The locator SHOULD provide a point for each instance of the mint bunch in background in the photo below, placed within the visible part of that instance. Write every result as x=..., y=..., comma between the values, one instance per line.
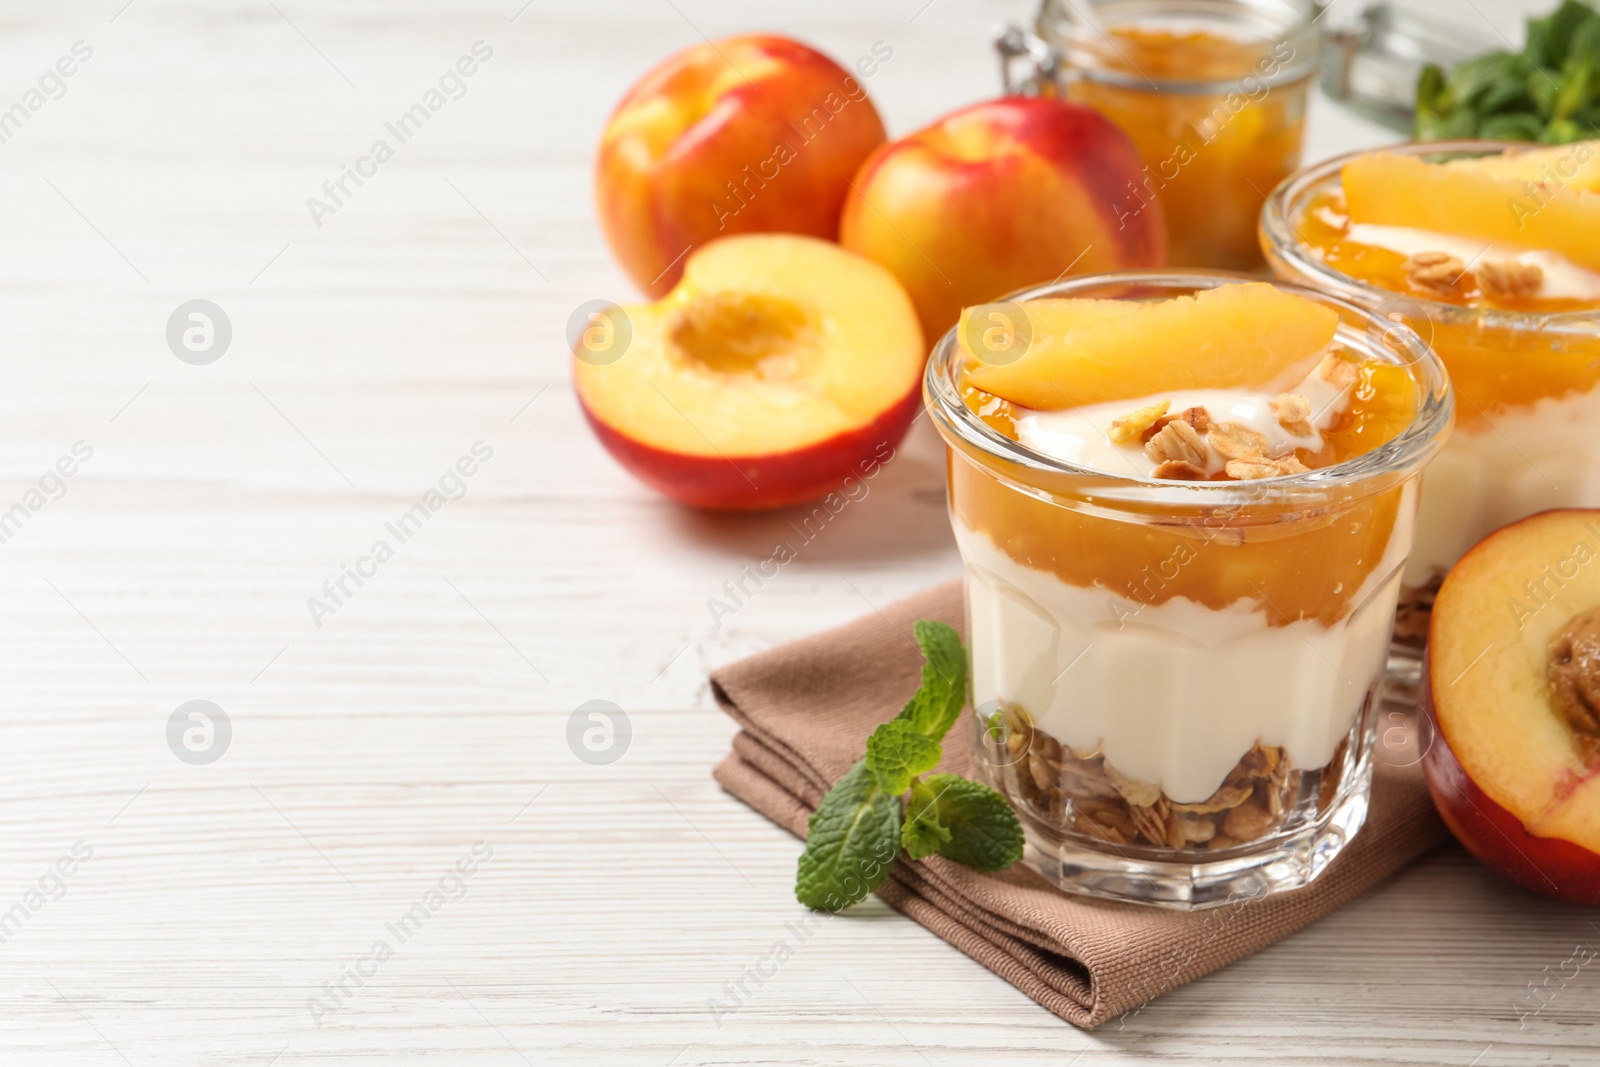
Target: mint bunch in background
x=861, y=825
x=1550, y=92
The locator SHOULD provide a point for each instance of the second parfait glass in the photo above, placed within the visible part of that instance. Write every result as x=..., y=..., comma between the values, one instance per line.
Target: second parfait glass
x=1527, y=437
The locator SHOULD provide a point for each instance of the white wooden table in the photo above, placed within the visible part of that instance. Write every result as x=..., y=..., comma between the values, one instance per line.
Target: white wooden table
x=227, y=913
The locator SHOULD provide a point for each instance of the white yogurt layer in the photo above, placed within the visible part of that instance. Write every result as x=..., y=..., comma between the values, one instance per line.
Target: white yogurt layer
x=1176, y=693
x=1563, y=279
x=1082, y=435
x=1542, y=456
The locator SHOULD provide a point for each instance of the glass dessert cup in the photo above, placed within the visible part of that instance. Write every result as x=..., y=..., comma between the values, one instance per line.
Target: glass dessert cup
x=1213, y=95
x=1174, y=681
x=1527, y=436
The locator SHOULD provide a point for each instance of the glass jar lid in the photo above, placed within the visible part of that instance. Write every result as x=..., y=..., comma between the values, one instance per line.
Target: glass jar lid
x=1373, y=54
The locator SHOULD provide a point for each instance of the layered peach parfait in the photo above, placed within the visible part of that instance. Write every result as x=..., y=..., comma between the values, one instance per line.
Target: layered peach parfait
x=1183, y=503
x=1491, y=253
x=1213, y=96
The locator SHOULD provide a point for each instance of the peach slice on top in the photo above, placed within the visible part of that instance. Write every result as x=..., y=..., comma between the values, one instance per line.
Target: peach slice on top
x=1513, y=686
x=1386, y=189
x=1575, y=166
x=1083, y=352
x=775, y=368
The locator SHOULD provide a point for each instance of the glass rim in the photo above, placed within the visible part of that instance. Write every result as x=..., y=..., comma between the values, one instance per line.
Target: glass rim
x=1401, y=456
x=1280, y=242
x=1073, y=32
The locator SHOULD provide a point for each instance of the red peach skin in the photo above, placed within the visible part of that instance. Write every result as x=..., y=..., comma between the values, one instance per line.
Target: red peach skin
x=998, y=196
x=753, y=483
x=754, y=134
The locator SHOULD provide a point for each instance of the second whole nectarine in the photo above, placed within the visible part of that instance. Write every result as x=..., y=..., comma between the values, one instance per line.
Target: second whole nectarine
x=999, y=196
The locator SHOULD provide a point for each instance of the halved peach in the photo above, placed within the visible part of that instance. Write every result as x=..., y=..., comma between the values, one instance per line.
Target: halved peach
x=1513, y=685
x=1245, y=334
x=776, y=367
x=1394, y=190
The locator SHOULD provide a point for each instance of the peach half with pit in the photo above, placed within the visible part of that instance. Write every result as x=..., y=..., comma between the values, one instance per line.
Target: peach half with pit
x=1513, y=686
x=778, y=366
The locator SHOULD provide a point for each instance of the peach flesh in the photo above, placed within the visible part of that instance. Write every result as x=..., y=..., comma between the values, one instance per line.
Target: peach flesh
x=1513, y=768
x=778, y=367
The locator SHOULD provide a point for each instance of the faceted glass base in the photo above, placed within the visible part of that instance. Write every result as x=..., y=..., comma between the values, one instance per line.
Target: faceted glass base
x=1233, y=876
x=1268, y=828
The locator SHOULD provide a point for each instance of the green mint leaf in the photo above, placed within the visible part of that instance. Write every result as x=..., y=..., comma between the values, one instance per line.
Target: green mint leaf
x=1564, y=131
x=852, y=843
x=1460, y=123
x=1434, y=102
x=938, y=703
x=896, y=751
x=1431, y=89
x=984, y=831
x=1550, y=39
x=1574, y=91
x=1518, y=127
x=1493, y=82
x=1544, y=91
x=1549, y=92
x=923, y=833
x=947, y=662
x=1585, y=45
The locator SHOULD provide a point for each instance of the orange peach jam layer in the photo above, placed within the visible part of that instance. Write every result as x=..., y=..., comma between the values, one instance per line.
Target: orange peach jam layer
x=1517, y=232
x=1210, y=159
x=1256, y=388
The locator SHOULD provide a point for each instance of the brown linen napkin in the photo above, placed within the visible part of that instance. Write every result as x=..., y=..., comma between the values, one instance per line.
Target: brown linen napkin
x=806, y=709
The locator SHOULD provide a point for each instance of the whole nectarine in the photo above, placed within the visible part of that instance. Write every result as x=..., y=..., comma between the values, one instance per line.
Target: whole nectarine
x=753, y=134
x=1513, y=686
x=998, y=196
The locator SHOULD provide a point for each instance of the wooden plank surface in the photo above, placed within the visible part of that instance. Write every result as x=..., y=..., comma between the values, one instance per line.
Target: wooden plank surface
x=212, y=912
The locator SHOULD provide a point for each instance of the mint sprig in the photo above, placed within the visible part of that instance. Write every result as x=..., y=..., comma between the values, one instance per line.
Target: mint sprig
x=1548, y=92
x=860, y=827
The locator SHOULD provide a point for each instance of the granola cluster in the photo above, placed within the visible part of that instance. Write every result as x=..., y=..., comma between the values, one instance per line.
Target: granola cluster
x=1177, y=447
x=1082, y=793
x=1510, y=280
x=1435, y=272
x=1441, y=274
x=1182, y=445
